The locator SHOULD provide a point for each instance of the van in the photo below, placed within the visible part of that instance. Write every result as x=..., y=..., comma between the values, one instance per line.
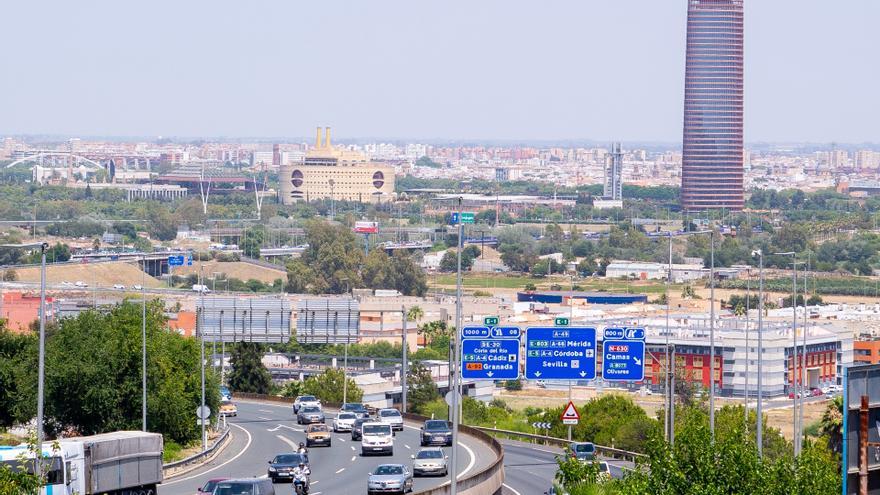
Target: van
x=377, y=438
x=247, y=486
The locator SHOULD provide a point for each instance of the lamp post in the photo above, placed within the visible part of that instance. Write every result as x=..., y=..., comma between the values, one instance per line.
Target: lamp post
x=759, y=411
x=794, y=349
x=455, y=359
x=144, y=343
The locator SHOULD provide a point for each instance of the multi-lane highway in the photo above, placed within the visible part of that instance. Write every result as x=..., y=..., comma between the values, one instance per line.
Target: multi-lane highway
x=262, y=430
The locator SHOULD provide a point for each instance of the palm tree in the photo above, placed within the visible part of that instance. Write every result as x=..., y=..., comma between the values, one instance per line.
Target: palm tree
x=415, y=314
x=831, y=424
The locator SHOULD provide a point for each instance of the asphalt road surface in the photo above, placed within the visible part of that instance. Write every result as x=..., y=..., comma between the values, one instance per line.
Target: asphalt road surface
x=263, y=430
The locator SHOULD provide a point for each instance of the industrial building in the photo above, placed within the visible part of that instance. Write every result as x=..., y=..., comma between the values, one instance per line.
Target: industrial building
x=329, y=172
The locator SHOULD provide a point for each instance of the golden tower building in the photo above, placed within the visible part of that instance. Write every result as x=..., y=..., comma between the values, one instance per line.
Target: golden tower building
x=336, y=173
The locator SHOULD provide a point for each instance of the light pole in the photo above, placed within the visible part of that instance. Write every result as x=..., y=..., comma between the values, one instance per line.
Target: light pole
x=760, y=414
x=455, y=359
x=201, y=327
x=712, y=334
x=332, y=199
x=41, y=375
x=748, y=307
x=405, y=364
x=794, y=349
x=144, y=343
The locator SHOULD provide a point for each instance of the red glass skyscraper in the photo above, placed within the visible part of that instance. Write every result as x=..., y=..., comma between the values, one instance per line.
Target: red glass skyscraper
x=712, y=160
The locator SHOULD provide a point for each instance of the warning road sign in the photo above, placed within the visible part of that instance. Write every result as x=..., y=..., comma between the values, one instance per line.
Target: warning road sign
x=570, y=416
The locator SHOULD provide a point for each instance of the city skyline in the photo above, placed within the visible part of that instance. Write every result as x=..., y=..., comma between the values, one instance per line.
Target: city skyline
x=232, y=70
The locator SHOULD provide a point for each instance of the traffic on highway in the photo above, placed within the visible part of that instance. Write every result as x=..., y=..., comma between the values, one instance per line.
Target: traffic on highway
x=273, y=447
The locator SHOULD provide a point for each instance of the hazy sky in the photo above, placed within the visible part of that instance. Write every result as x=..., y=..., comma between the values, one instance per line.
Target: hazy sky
x=471, y=69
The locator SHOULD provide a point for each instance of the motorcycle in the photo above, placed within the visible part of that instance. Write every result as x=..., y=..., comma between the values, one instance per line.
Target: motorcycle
x=301, y=484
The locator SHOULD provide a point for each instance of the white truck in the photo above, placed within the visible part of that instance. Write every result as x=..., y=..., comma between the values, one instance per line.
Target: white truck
x=118, y=463
x=377, y=438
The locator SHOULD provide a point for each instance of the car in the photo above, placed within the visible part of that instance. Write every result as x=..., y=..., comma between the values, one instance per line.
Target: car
x=390, y=478
x=377, y=438
x=208, y=487
x=80, y=283
x=225, y=394
x=357, y=408
x=309, y=414
x=228, y=408
x=582, y=451
x=281, y=466
x=436, y=432
x=392, y=417
x=137, y=287
x=344, y=421
x=604, y=472
x=201, y=288
x=318, y=435
x=430, y=461
x=245, y=486
x=356, y=428
x=66, y=283
x=815, y=392
x=305, y=400
x=118, y=286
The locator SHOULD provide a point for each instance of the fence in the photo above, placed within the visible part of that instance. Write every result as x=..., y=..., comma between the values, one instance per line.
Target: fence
x=608, y=452
x=175, y=468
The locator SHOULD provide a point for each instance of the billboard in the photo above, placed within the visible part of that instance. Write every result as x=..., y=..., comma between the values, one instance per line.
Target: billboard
x=327, y=320
x=244, y=319
x=366, y=227
x=861, y=429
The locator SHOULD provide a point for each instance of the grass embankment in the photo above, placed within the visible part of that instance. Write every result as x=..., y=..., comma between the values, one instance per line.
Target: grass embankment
x=519, y=282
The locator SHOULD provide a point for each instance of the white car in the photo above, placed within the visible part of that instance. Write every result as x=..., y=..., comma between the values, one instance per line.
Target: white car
x=344, y=421
x=138, y=287
x=377, y=438
x=80, y=283
x=391, y=417
x=305, y=400
x=118, y=286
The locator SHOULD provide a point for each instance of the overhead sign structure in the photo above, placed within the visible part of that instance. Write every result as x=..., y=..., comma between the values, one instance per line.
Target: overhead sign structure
x=570, y=415
x=490, y=359
x=176, y=260
x=554, y=353
x=366, y=227
x=623, y=354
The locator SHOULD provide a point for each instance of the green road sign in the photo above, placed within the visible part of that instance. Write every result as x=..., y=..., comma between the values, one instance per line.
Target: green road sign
x=561, y=322
x=490, y=321
x=467, y=217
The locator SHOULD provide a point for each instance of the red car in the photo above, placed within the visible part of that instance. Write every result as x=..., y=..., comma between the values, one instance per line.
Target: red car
x=208, y=487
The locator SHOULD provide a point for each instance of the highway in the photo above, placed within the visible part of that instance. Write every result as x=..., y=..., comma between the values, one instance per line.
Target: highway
x=262, y=430
x=529, y=469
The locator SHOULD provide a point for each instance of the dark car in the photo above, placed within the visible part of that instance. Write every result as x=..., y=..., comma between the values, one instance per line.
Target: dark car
x=583, y=451
x=357, y=408
x=281, y=467
x=248, y=486
x=436, y=432
x=357, y=428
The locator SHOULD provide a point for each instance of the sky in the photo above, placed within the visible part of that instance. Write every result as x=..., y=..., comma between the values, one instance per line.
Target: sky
x=444, y=69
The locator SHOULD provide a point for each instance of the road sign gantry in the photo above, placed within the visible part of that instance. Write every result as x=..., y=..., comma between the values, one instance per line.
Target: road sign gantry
x=560, y=353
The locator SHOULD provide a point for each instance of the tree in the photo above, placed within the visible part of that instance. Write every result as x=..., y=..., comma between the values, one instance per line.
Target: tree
x=415, y=313
x=300, y=277
x=292, y=389
x=831, y=424
x=248, y=373
x=422, y=389
x=89, y=395
x=335, y=257
x=17, y=377
x=328, y=386
x=252, y=241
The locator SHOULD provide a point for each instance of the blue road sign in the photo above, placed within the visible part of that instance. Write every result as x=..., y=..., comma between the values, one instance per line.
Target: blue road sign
x=175, y=260
x=635, y=334
x=560, y=353
x=623, y=360
x=490, y=359
x=474, y=332
x=189, y=259
x=454, y=219
x=614, y=333
x=505, y=332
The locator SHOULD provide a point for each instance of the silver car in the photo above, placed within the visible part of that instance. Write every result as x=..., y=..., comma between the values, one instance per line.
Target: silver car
x=309, y=414
x=390, y=478
x=430, y=461
x=344, y=421
x=391, y=417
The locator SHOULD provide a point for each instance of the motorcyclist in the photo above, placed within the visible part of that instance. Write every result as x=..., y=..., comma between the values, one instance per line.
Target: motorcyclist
x=302, y=449
x=301, y=477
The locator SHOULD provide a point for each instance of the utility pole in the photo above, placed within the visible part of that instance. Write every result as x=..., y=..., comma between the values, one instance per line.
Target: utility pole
x=760, y=413
x=41, y=367
x=712, y=334
x=144, y=343
x=670, y=392
x=748, y=305
x=200, y=315
x=405, y=364
x=455, y=360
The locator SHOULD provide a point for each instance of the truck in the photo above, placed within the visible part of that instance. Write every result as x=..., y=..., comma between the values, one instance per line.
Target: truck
x=117, y=463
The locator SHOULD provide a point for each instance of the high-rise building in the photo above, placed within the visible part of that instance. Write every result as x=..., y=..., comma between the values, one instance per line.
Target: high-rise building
x=614, y=173
x=712, y=162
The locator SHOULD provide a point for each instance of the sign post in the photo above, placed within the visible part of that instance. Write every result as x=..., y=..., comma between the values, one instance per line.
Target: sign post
x=554, y=353
x=623, y=354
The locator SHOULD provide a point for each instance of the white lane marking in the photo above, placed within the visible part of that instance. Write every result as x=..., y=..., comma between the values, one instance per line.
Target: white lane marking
x=471, y=464
x=353, y=457
x=285, y=426
x=352, y=447
x=264, y=410
x=407, y=447
x=263, y=476
x=340, y=470
x=288, y=441
x=505, y=485
x=314, y=483
x=340, y=439
x=246, y=445
x=264, y=418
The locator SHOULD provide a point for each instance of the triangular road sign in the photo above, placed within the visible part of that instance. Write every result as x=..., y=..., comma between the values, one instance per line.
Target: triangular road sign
x=570, y=416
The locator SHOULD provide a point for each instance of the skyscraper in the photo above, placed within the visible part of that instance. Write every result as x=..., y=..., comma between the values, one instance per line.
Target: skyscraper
x=613, y=174
x=712, y=161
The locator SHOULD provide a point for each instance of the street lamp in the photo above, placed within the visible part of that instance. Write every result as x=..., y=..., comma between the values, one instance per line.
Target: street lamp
x=760, y=414
x=794, y=360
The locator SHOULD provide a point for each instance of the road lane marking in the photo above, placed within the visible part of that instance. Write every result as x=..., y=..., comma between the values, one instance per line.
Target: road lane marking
x=264, y=418
x=288, y=441
x=352, y=447
x=353, y=457
x=340, y=439
x=407, y=447
x=471, y=464
x=505, y=485
x=264, y=410
x=340, y=470
x=285, y=426
x=246, y=445
x=315, y=483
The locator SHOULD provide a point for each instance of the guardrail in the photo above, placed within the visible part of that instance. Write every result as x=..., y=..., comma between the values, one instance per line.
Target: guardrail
x=195, y=458
x=486, y=481
x=609, y=452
